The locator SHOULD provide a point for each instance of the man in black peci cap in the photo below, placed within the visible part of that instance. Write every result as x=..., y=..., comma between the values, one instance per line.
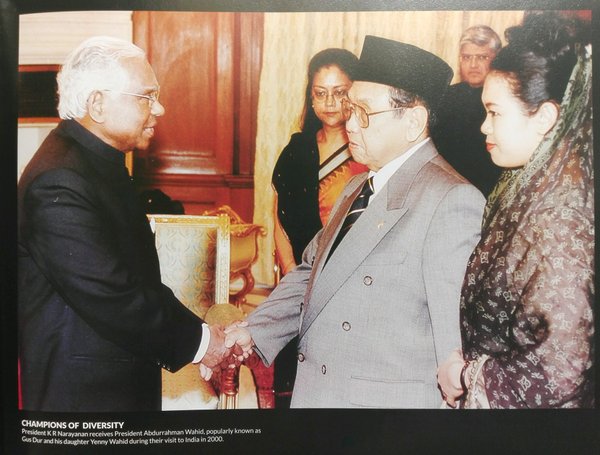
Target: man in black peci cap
x=375, y=300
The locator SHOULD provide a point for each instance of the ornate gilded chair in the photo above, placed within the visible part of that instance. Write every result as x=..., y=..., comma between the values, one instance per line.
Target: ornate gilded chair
x=193, y=253
x=244, y=251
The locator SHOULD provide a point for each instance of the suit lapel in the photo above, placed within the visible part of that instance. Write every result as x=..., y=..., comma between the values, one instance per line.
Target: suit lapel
x=383, y=212
x=332, y=228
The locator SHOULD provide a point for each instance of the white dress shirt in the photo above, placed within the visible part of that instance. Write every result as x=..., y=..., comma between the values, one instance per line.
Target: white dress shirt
x=381, y=177
x=204, y=341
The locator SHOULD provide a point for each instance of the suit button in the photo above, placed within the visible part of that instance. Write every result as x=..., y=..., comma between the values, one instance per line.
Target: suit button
x=300, y=357
x=367, y=280
x=346, y=326
x=323, y=369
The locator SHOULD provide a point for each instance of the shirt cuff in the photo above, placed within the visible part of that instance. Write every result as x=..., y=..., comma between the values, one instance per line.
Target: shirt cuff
x=204, y=342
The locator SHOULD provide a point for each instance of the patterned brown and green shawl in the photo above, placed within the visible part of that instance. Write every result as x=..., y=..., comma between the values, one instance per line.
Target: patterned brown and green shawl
x=527, y=298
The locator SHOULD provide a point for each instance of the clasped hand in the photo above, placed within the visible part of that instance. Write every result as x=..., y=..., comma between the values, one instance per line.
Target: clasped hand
x=448, y=377
x=228, y=348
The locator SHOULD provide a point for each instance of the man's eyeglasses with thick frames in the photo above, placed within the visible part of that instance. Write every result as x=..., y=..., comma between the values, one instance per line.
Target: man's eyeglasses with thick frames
x=349, y=108
x=152, y=98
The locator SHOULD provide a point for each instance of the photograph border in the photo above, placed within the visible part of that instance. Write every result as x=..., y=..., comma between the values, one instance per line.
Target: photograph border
x=281, y=431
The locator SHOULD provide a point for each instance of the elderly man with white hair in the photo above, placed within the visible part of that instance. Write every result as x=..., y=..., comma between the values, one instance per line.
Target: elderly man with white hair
x=96, y=325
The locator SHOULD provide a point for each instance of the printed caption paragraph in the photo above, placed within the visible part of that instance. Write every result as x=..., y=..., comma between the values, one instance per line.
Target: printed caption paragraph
x=114, y=433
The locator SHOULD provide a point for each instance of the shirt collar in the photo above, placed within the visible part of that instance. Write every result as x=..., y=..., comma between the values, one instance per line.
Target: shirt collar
x=381, y=177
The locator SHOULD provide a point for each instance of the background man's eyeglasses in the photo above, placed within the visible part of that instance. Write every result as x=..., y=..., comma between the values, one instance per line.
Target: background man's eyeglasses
x=478, y=58
x=349, y=108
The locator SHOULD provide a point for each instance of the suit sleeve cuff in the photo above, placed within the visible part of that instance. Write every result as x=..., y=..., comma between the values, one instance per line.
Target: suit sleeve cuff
x=204, y=342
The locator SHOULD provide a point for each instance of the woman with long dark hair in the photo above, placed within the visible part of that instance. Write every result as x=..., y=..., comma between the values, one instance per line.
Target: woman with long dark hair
x=316, y=164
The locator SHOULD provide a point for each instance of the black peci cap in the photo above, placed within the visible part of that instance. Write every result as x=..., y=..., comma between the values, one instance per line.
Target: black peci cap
x=404, y=66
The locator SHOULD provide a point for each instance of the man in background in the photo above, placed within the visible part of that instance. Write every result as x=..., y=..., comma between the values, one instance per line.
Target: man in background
x=457, y=134
x=375, y=300
x=96, y=325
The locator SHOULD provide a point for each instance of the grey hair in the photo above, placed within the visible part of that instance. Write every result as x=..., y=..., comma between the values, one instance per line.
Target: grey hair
x=403, y=98
x=481, y=35
x=94, y=65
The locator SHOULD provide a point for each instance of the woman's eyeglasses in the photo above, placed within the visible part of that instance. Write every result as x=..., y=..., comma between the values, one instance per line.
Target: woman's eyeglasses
x=323, y=95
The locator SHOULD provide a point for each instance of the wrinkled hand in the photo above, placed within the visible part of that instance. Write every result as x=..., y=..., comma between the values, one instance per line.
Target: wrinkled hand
x=227, y=348
x=239, y=340
x=216, y=353
x=448, y=376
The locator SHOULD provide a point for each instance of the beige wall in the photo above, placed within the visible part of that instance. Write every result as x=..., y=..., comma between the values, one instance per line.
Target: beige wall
x=47, y=38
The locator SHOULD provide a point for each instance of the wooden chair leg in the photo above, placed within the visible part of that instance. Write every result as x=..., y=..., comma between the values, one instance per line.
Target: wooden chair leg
x=228, y=396
x=263, y=379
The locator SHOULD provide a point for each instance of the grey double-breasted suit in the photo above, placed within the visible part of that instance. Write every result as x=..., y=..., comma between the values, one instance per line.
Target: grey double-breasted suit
x=375, y=320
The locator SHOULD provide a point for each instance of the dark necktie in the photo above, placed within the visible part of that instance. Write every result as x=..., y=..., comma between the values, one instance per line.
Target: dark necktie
x=356, y=209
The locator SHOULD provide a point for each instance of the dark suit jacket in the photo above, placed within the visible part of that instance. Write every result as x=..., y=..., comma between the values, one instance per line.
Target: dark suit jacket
x=458, y=137
x=95, y=322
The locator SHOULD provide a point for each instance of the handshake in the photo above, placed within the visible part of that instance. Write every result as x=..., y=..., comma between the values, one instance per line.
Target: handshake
x=228, y=348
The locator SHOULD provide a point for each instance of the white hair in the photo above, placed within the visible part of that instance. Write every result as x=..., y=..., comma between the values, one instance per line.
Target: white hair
x=94, y=65
x=481, y=35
